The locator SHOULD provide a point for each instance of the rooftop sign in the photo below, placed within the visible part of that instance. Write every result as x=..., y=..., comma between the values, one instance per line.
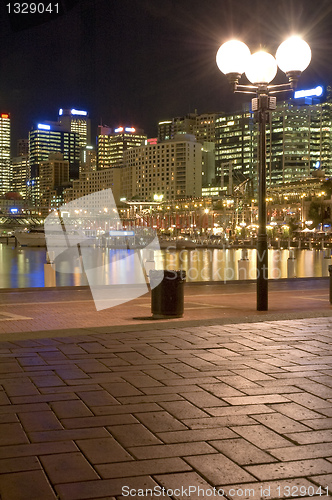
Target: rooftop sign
x=317, y=92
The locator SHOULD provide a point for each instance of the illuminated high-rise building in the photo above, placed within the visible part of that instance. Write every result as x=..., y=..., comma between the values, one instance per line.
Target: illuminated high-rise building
x=51, y=137
x=112, y=143
x=5, y=165
x=22, y=147
x=21, y=175
x=171, y=169
x=78, y=121
x=53, y=175
x=201, y=126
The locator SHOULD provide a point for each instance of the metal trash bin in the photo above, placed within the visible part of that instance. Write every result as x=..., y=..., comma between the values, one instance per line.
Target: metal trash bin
x=167, y=297
x=330, y=271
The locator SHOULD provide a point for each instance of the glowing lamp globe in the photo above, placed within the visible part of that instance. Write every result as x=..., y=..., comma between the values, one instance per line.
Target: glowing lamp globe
x=262, y=68
x=293, y=55
x=232, y=57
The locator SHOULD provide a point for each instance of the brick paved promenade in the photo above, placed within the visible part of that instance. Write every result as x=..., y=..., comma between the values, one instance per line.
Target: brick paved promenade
x=101, y=412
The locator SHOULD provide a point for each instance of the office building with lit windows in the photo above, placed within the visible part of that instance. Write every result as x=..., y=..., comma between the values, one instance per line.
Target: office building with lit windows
x=5, y=164
x=202, y=126
x=171, y=169
x=51, y=137
x=77, y=121
x=112, y=143
x=53, y=175
x=236, y=143
x=21, y=175
x=298, y=142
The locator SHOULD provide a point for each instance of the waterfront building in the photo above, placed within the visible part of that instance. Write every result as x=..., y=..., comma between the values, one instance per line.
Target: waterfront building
x=21, y=175
x=88, y=159
x=171, y=169
x=78, y=122
x=298, y=142
x=53, y=177
x=112, y=143
x=201, y=126
x=235, y=148
x=51, y=137
x=92, y=181
x=5, y=165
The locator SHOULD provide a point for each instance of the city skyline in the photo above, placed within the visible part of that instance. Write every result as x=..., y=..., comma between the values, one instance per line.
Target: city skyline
x=139, y=62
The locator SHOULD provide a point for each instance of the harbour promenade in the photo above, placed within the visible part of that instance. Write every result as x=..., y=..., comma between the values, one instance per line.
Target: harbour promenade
x=225, y=402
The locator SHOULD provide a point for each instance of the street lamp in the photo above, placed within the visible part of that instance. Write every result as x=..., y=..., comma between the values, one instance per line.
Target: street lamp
x=233, y=59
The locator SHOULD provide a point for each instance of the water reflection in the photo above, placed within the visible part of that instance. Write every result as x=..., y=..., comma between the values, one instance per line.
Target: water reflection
x=24, y=267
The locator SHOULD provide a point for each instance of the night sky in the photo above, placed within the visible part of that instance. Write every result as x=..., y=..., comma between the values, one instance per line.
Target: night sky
x=136, y=62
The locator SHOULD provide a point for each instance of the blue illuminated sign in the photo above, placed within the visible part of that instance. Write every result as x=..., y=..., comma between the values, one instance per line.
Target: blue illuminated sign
x=78, y=112
x=43, y=126
x=317, y=92
x=60, y=111
x=14, y=210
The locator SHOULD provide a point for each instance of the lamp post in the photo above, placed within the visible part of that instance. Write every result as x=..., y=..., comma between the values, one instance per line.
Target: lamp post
x=233, y=59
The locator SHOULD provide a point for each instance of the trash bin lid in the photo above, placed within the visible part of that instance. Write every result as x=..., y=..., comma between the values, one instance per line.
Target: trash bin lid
x=168, y=274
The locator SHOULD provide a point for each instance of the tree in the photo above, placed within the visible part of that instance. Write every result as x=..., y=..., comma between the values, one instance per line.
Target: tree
x=315, y=213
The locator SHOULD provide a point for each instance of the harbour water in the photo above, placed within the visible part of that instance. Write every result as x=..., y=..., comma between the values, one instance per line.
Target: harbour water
x=23, y=267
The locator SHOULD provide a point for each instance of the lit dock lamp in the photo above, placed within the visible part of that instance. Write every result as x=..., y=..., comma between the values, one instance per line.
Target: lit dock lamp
x=233, y=59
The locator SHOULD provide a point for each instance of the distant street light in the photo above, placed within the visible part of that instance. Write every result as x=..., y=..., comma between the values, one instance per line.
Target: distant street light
x=233, y=59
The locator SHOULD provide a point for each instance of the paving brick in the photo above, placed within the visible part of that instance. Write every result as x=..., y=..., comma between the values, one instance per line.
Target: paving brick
x=10, y=367
x=32, y=483
x=160, y=421
x=281, y=423
x=70, y=409
x=319, y=423
x=226, y=421
x=240, y=410
x=124, y=408
x=70, y=434
x=98, y=421
x=282, y=488
x=121, y=389
x=171, y=450
x=183, y=409
x=103, y=450
x=295, y=411
x=26, y=450
x=317, y=450
x=261, y=436
x=324, y=480
x=39, y=421
x=47, y=381
x=295, y=468
x=309, y=437
x=67, y=468
x=181, y=482
x=309, y=401
x=12, y=433
x=252, y=400
x=133, y=435
x=242, y=452
x=196, y=435
x=203, y=399
x=97, y=398
x=15, y=387
x=19, y=464
x=218, y=469
x=108, y=487
x=142, y=468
